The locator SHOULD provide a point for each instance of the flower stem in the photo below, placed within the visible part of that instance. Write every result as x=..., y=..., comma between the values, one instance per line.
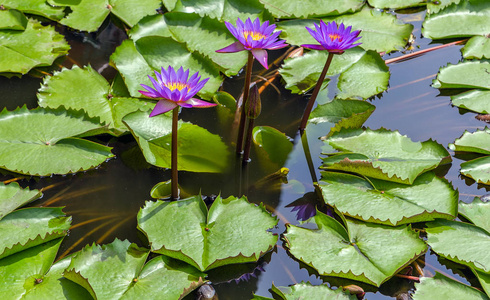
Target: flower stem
x=246, y=89
x=175, y=173
x=319, y=83
x=248, y=141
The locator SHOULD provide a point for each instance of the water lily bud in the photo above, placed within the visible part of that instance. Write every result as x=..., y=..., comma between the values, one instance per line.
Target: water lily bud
x=253, y=106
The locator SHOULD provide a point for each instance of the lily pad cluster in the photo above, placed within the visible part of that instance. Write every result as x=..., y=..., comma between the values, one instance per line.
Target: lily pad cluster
x=26, y=44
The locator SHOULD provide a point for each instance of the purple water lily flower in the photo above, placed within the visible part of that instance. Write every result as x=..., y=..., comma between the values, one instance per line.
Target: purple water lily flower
x=175, y=88
x=254, y=37
x=333, y=38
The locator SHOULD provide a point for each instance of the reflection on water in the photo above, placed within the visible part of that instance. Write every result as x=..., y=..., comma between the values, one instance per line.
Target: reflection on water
x=104, y=202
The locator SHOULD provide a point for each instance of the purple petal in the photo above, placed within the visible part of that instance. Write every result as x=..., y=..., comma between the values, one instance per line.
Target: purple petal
x=231, y=28
x=199, y=103
x=248, y=24
x=261, y=56
x=313, y=46
x=235, y=47
x=162, y=107
x=256, y=25
x=149, y=94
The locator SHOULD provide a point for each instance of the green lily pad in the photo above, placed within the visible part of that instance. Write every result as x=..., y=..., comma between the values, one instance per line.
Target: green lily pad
x=53, y=285
x=383, y=154
x=198, y=149
x=232, y=231
x=468, y=74
x=484, y=279
x=478, y=169
x=477, y=212
x=380, y=31
x=307, y=291
x=476, y=142
x=35, y=7
x=88, y=15
x=88, y=90
x=396, y=4
x=390, y=203
x=107, y=271
x=223, y=10
x=441, y=287
x=165, y=278
x=30, y=227
x=12, y=196
x=36, y=46
x=42, y=142
x=477, y=47
x=136, y=61
x=365, y=252
x=436, y=6
x=459, y=242
x=272, y=144
x=200, y=34
x=206, y=35
x=343, y=113
x=25, y=275
x=362, y=74
x=471, y=17
x=12, y=19
x=307, y=9
x=475, y=100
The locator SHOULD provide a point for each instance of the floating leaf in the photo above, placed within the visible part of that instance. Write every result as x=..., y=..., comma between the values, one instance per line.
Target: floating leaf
x=383, y=154
x=362, y=74
x=203, y=35
x=477, y=212
x=30, y=227
x=484, y=279
x=390, y=203
x=436, y=6
x=35, y=7
x=13, y=196
x=308, y=9
x=459, y=242
x=89, y=15
x=468, y=74
x=199, y=150
x=343, y=113
x=365, y=252
x=272, y=144
x=165, y=278
x=475, y=100
x=107, y=271
x=233, y=231
x=380, y=31
x=307, y=291
x=41, y=142
x=20, y=271
x=476, y=142
x=471, y=17
x=477, y=47
x=396, y=4
x=88, y=90
x=223, y=10
x=12, y=19
x=36, y=46
x=136, y=61
x=53, y=285
x=441, y=287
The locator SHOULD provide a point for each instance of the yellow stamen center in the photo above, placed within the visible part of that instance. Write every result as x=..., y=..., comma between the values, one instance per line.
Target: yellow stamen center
x=256, y=36
x=335, y=36
x=176, y=85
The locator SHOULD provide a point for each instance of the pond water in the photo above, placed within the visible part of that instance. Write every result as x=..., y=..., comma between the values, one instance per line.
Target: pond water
x=104, y=202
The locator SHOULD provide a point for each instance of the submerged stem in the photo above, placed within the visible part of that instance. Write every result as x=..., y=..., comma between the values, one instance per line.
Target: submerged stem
x=248, y=141
x=319, y=83
x=246, y=89
x=175, y=173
